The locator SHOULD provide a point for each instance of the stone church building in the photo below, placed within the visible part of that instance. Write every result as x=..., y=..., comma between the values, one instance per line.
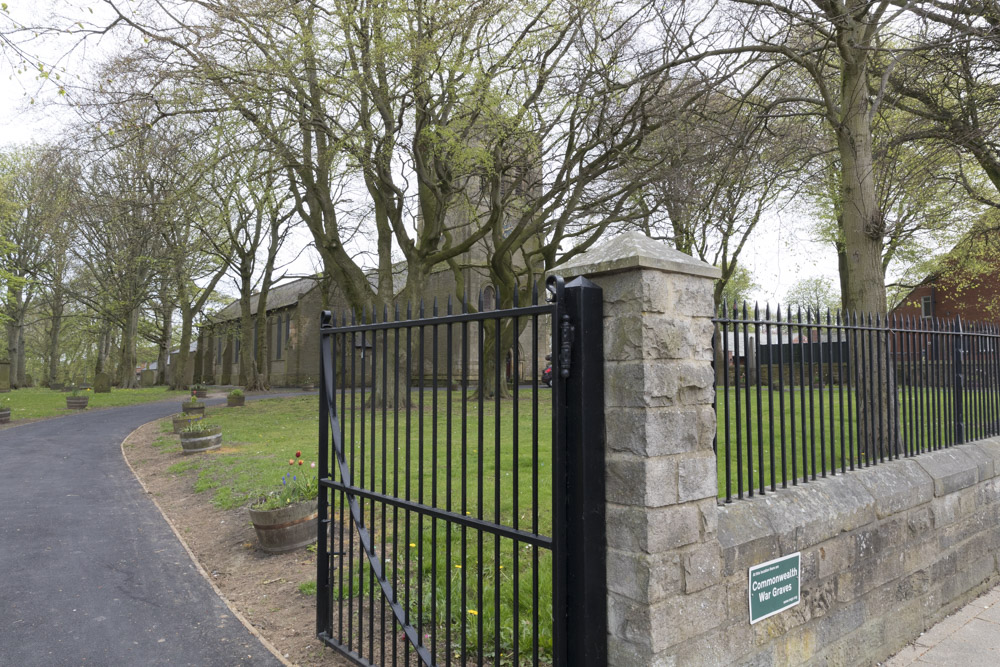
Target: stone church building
x=293, y=321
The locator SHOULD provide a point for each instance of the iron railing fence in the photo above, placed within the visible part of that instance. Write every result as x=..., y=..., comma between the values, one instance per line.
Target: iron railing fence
x=438, y=456
x=805, y=395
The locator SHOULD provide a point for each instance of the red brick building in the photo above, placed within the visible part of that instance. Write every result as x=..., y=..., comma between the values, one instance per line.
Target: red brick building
x=967, y=287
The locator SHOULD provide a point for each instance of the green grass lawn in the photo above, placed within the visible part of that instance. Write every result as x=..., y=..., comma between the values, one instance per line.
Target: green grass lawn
x=432, y=560
x=821, y=431
x=38, y=403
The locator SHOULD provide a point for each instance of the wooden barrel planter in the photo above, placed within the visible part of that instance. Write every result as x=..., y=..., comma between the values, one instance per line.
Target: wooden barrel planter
x=201, y=441
x=285, y=528
x=76, y=402
x=201, y=393
x=196, y=409
x=4, y=415
x=235, y=401
x=183, y=421
x=308, y=387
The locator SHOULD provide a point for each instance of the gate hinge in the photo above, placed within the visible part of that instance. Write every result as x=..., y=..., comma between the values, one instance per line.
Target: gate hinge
x=565, y=345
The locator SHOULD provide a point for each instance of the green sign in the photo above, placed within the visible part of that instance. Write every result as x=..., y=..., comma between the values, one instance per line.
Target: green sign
x=773, y=586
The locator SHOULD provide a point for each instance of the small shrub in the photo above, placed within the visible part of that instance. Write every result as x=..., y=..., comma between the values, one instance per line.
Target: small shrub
x=308, y=588
x=236, y=393
x=196, y=427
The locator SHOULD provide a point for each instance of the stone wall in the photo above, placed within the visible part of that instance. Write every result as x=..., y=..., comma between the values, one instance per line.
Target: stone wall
x=886, y=551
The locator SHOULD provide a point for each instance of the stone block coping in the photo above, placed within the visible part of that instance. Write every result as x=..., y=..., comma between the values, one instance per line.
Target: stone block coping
x=635, y=250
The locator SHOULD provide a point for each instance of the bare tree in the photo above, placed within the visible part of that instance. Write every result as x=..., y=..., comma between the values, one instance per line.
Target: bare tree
x=719, y=165
x=424, y=132
x=133, y=187
x=38, y=190
x=251, y=197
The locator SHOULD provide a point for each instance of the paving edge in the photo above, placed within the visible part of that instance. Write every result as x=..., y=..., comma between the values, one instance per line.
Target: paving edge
x=242, y=619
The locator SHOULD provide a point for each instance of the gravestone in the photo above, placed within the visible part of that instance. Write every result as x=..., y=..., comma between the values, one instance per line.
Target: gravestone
x=4, y=376
x=102, y=383
x=147, y=378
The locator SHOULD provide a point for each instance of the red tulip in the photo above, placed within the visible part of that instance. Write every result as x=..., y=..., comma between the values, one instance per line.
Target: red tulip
x=300, y=461
x=298, y=454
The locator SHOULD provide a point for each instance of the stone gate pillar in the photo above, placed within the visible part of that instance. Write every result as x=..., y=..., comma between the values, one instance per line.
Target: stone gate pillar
x=661, y=468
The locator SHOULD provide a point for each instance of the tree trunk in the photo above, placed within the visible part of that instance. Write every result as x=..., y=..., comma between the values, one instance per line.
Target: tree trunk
x=505, y=283
x=126, y=367
x=109, y=345
x=495, y=351
x=390, y=383
x=12, y=352
x=22, y=373
x=842, y=272
x=54, y=331
x=179, y=379
x=863, y=239
x=392, y=390
x=163, y=354
x=248, y=363
x=15, y=336
x=101, y=355
x=188, y=311
x=260, y=380
x=863, y=222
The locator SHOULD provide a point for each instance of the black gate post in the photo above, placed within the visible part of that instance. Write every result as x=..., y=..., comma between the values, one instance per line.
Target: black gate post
x=584, y=558
x=323, y=597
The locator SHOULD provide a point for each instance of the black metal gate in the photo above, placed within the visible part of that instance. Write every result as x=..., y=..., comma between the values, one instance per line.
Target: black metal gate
x=461, y=500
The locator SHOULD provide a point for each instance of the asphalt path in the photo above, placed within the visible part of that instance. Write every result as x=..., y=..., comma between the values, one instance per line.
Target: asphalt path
x=90, y=573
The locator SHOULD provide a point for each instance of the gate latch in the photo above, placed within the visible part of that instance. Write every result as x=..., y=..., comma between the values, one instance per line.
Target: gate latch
x=565, y=345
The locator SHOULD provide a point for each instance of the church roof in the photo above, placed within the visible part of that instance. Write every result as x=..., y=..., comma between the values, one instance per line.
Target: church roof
x=277, y=297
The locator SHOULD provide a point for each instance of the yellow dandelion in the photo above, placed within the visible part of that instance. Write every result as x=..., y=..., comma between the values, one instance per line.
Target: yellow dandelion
x=474, y=612
x=458, y=567
x=413, y=544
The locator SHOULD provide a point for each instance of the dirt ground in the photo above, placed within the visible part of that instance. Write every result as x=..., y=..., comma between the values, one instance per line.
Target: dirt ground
x=262, y=587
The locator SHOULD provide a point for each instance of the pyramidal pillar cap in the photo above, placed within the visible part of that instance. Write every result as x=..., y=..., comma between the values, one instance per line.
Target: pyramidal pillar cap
x=635, y=250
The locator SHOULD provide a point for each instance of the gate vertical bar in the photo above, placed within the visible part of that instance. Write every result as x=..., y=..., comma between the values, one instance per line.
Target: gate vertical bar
x=586, y=585
x=959, y=347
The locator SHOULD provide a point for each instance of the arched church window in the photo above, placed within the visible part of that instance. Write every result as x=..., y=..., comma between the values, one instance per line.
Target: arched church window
x=489, y=298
